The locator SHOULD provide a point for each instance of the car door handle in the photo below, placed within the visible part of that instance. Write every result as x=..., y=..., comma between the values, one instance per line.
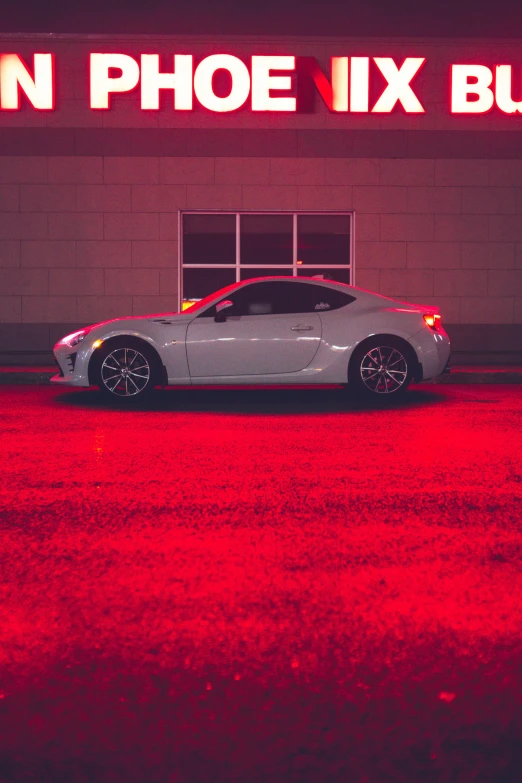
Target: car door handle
x=302, y=328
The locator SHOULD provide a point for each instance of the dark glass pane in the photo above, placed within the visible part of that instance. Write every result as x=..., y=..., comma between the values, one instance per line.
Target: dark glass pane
x=323, y=239
x=198, y=283
x=339, y=275
x=209, y=239
x=285, y=297
x=266, y=239
x=263, y=298
x=246, y=274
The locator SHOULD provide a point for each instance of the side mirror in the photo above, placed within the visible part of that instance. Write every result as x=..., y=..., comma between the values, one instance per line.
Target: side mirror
x=221, y=308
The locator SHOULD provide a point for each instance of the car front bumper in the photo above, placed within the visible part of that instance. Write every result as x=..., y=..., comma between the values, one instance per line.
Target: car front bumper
x=73, y=364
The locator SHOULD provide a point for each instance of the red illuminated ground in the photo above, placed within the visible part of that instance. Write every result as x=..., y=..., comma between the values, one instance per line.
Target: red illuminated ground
x=261, y=586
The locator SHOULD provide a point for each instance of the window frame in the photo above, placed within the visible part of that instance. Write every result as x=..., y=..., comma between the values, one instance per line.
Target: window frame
x=292, y=269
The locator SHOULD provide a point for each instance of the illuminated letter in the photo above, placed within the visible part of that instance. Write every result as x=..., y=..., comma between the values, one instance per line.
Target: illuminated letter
x=14, y=77
x=203, y=82
x=359, y=83
x=339, y=83
x=503, y=81
x=152, y=81
x=102, y=85
x=335, y=95
x=461, y=88
x=263, y=82
x=398, y=87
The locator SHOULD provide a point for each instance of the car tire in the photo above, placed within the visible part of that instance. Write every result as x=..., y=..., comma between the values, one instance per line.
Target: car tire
x=126, y=370
x=381, y=368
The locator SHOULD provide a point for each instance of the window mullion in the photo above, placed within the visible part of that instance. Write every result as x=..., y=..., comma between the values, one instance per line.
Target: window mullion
x=294, y=249
x=180, y=261
x=352, y=248
x=238, y=247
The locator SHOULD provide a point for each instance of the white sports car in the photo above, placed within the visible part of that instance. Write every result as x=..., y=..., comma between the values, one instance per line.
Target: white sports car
x=267, y=330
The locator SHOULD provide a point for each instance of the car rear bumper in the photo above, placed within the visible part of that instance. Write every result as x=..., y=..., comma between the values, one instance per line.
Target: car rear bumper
x=433, y=351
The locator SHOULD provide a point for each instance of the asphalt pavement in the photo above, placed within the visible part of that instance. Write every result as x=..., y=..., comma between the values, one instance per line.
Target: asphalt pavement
x=261, y=586
x=461, y=373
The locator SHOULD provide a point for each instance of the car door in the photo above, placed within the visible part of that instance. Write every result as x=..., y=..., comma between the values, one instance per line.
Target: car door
x=270, y=329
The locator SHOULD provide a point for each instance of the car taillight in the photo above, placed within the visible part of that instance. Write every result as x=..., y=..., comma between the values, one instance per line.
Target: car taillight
x=433, y=320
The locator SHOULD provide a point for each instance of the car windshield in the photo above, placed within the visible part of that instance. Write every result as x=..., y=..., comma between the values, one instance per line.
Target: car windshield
x=210, y=298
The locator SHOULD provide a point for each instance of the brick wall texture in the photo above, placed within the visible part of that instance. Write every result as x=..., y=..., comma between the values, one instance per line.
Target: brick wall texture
x=87, y=235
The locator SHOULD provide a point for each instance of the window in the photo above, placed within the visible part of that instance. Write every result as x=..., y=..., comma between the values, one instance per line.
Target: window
x=209, y=239
x=266, y=239
x=323, y=240
x=198, y=283
x=219, y=248
x=285, y=297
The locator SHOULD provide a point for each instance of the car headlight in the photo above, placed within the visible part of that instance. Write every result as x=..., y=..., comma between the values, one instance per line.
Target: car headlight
x=76, y=337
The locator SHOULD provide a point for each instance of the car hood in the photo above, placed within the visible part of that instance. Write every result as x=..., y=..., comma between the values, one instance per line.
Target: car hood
x=176, y=317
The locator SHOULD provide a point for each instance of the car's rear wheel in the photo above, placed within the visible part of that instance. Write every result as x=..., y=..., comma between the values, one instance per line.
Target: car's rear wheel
x=126, y=370
x=382, y=367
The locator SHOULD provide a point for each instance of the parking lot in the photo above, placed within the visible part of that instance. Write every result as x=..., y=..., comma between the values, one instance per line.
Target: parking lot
x=231, y=586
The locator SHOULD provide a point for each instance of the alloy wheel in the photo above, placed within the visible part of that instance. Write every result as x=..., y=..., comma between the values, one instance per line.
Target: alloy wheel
x=125, y=372
x=384, y=370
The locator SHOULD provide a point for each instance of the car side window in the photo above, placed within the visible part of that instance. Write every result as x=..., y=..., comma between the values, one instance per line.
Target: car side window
x=326, y=299
x=255, y=299
x=286, y=297
x=282, y=298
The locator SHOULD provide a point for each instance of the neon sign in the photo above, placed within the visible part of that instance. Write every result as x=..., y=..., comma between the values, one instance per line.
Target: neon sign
x=268, y=77
x=266, y=83
x=472, y=91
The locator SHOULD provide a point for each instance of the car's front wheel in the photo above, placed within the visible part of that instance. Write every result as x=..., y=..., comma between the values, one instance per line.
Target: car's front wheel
x=125, y=370
x=381, y=368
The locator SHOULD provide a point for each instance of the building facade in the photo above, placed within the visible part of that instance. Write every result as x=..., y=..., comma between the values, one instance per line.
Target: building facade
x=138, y=173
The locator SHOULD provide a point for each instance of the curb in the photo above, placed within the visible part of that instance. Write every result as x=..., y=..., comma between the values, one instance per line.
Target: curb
x=39, y=376
x=14, y=376
x=476, y=376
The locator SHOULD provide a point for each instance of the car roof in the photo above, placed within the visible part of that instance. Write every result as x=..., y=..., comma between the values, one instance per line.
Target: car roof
x=351, y=290
x=315, y=280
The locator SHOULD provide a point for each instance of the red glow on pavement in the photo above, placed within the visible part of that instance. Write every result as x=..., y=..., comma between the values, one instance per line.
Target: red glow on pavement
x=260, y=585
x=447, y=697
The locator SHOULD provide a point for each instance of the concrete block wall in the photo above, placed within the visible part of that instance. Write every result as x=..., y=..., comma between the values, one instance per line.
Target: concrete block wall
x=95, y=238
